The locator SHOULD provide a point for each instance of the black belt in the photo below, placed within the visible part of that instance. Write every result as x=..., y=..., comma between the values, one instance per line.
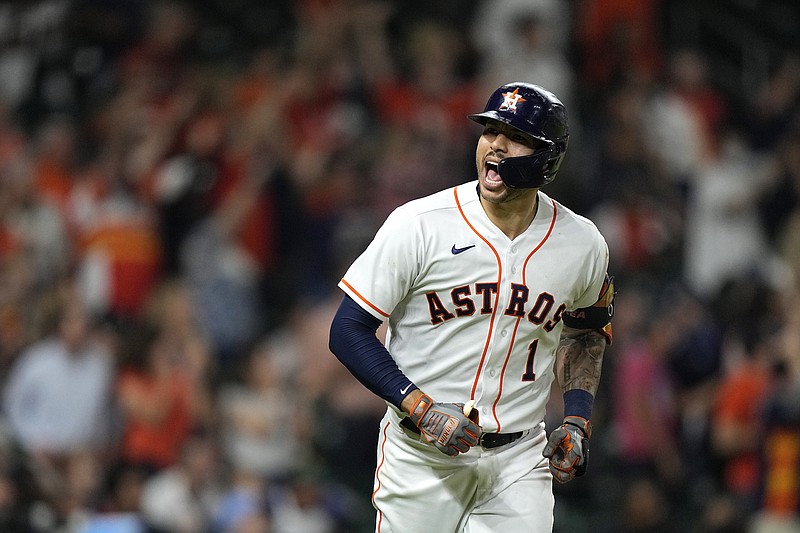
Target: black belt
x=487, y=440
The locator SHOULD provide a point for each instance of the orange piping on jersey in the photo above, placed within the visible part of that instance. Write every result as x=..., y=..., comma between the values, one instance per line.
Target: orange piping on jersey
x=516, y=326
x=503, y=373
x=375, y=307
x=378, y=479
x=496, y=297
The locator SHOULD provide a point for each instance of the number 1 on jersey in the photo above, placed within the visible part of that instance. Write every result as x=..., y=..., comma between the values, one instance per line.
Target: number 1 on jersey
x=529, y=374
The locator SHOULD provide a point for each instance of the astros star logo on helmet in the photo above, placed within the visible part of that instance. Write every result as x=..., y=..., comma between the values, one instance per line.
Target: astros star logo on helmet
x=510, y=101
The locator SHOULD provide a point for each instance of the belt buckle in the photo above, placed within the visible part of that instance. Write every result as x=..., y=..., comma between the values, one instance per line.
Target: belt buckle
x=481, y=440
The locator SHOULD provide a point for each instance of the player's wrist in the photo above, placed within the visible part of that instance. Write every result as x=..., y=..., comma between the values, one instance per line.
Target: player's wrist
x=412, y=403
x=578, y=402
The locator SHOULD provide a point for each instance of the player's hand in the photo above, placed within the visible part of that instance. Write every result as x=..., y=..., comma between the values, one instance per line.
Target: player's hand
x=445, y=425
x=568, y=448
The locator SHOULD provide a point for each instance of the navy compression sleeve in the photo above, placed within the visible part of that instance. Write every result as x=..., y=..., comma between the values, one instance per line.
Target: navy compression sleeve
x=353, y=342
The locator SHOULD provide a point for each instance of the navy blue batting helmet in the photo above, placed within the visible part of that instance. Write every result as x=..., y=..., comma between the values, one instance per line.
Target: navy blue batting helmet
x=538, y=113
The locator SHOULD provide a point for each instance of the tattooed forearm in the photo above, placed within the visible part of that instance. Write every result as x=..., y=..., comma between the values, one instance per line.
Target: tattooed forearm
x=579, y=360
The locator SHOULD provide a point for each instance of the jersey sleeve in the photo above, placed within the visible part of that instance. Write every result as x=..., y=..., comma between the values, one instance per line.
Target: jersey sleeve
x=384, y=273
x=596, y=270
x=594, y=309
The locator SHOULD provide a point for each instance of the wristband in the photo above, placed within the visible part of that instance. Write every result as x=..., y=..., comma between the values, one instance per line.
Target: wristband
x=578, y=402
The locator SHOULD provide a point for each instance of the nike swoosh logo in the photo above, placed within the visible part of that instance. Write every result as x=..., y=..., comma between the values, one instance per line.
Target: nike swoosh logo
x=456, y=251
x=405, y=390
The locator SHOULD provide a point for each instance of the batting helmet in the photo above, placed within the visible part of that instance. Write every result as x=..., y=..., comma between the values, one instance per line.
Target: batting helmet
x=537, y=112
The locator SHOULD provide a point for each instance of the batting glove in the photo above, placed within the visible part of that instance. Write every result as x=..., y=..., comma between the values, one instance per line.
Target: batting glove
x=568, y=448
x=444, y=425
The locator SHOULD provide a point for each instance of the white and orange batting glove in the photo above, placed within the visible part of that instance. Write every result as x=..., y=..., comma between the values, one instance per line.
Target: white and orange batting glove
x=568, y=448
x=445, y=425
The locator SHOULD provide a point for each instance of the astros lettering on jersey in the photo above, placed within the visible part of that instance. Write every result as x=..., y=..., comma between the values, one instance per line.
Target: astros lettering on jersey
x=438, y=267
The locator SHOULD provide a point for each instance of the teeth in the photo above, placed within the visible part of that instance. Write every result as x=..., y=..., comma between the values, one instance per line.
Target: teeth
x=492, y=172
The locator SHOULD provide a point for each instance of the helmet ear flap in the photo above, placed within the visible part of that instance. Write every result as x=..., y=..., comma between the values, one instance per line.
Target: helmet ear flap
x=530, y=171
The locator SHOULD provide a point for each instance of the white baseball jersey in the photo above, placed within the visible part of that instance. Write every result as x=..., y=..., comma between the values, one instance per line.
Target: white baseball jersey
x=473, y=314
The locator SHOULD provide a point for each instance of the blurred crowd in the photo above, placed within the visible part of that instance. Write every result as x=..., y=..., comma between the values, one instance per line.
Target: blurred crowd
x=183, y=183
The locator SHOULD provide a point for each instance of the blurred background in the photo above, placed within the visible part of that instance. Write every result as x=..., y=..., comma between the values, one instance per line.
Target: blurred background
x=182, y=184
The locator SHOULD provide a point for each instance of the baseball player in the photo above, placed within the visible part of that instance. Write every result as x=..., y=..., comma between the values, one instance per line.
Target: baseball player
x=491, y=290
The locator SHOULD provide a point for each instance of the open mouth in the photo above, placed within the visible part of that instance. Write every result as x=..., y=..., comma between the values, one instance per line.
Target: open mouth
x=492, y=174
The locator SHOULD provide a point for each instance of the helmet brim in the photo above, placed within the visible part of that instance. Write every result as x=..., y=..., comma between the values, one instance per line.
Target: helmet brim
x=510, y=119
